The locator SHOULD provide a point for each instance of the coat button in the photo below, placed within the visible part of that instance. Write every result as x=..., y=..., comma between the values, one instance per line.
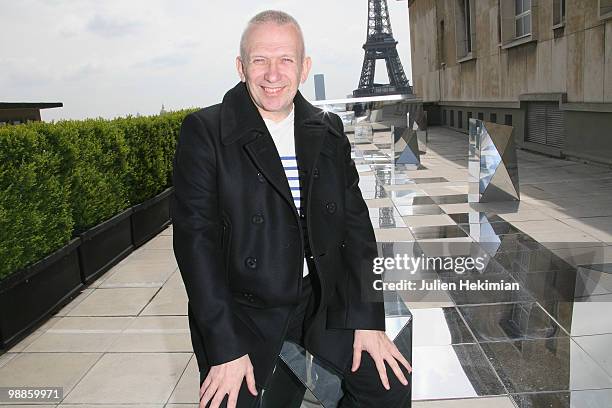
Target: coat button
x=315, y=173
x=260, y=177
x=257, y=219
x=330, y=207
x=251, y=262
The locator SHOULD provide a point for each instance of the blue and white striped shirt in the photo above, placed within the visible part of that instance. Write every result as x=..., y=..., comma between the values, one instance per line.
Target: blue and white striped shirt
x=283, y=135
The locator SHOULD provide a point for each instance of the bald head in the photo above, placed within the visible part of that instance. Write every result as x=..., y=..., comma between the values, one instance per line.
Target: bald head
x=269, y=16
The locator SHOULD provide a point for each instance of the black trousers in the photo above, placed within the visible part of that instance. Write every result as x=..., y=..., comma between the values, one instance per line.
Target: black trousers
x=362, y=389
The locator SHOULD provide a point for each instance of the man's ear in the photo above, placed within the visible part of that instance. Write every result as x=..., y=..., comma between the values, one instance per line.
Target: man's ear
x=306, y=65
x=240, y=69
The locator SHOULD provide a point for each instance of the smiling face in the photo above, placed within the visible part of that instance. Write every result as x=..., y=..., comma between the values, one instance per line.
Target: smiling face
x=273, y=68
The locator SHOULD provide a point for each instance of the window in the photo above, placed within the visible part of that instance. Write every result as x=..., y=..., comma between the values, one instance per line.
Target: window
x=558, y=13
x=480, y=116
x=522, y=17
x=444, y=116
x=464, y=22
x=452, y=118
x=605, y=9
x=508, y=120
x=499, y=22
x=441, y=44
x=516, y=21
x=460, y=119
x=493, y=117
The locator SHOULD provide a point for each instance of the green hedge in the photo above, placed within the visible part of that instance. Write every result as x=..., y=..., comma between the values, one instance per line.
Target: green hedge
x=95, y=166
x=59, y=179
x=35, y=217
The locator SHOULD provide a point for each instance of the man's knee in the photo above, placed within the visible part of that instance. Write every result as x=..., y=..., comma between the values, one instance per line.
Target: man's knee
x=363, y=388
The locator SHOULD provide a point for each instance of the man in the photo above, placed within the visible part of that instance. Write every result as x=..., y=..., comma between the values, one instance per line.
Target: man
x=270, y=250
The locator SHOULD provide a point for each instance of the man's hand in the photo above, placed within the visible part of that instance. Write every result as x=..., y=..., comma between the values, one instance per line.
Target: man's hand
x=227, y=378
x=378, y=345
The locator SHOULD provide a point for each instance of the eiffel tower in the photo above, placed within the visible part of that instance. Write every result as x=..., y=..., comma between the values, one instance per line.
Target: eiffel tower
x=380, y=44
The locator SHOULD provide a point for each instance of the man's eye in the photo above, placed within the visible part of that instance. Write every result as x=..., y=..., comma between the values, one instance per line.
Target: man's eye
x=287, y=60
x=258, y=60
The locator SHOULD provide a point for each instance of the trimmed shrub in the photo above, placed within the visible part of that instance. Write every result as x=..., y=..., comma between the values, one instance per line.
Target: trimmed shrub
x=35, y=216
x=94, y=165
x=60, y=179
x=151, y=142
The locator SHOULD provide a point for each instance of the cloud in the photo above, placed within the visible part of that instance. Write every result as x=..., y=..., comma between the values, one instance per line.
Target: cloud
x=25, y=73
x=84, y=71
x=112, y=27
x=164, y=61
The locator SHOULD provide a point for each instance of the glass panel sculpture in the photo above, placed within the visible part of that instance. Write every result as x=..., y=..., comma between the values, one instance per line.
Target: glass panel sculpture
x=405, y=146
x=492, y=166
x=364, y=133
x=322, y=382
x=417, y=121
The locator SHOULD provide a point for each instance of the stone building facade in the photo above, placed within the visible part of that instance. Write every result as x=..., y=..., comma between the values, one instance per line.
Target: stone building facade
x=542, y=66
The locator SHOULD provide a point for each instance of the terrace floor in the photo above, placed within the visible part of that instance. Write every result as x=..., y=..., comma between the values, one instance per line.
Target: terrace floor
x=125, y=339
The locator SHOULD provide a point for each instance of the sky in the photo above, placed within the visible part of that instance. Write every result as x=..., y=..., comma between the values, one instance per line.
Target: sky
x=117, y=57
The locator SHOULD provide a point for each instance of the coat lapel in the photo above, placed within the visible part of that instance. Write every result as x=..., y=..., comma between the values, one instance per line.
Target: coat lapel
x=240, y=118
x=263, y=152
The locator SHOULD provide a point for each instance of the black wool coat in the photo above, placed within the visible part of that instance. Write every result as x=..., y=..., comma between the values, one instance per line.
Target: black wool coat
x=238, y=238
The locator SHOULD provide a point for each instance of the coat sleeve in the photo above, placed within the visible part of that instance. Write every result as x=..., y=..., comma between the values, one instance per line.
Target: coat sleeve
x=365, y=305
x=197, y=232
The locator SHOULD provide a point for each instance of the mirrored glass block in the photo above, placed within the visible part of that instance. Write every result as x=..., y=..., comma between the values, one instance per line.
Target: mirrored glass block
x=348, y=118
x=492, y=165
x=417, y=121
x=322, y=381
x=364, y=133
x=376, y=115
x=405, y=146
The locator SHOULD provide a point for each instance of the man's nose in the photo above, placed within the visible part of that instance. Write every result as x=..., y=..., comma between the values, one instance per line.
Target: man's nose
x=272, y=73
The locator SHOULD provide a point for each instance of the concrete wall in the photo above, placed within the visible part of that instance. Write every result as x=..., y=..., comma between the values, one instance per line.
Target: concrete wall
x=574, y=60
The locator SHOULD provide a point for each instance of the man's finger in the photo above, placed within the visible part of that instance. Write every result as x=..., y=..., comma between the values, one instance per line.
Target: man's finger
x=232, y=399
x=219, y=395
x=396, y=369
x=205, y=386
x=382, y=371
x=400, y=357
x=250, y=380
x=356, y=358
x=210, y=392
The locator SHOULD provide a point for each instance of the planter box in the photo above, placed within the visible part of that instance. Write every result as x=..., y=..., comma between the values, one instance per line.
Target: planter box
x=151, y=217
x=29, y=296
x=105, y=245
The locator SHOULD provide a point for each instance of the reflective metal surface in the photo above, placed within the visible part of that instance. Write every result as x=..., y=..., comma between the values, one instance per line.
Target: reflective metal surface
x=417, y=121
x=406, y=146
x=321, y=380
x=545, y=343
x=363, y=133
x=493, y=168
